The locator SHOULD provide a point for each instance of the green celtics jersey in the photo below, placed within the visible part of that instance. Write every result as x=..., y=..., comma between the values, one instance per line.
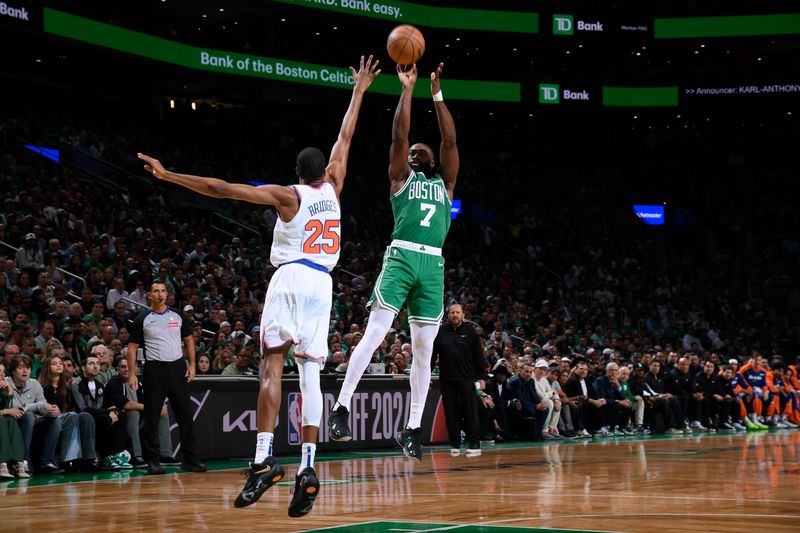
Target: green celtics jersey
x=421, y=210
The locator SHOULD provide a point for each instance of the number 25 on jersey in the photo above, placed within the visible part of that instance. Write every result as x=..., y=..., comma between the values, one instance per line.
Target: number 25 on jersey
x=323, y=238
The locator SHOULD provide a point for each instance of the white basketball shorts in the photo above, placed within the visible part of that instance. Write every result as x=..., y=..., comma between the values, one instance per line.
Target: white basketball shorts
x=298, y=307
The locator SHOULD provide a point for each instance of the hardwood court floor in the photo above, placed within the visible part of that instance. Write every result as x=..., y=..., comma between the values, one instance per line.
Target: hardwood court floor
x=692, y=483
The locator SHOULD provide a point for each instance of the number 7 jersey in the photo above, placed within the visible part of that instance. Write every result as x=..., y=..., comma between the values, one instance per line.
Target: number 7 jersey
x=421, y=210
x=314, y=234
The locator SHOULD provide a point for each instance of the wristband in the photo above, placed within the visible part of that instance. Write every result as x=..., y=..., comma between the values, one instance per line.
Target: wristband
x=438, y=97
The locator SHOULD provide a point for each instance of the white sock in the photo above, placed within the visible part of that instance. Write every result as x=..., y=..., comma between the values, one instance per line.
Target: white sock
x=380, y=320
x=307, y=460
x=422, y=337
x=263, y=446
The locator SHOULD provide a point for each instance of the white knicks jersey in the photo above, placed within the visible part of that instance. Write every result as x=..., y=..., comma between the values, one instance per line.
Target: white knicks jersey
x=314, y=234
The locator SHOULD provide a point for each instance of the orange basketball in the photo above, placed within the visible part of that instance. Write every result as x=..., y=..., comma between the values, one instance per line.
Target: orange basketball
x=405, y=44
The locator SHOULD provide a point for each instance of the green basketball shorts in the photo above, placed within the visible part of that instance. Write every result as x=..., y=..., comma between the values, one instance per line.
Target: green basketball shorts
x=413, y=275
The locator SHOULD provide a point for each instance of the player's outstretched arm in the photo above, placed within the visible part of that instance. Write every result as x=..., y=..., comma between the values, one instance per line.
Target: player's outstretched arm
x=398, y=153
x=276, y=195
x=337, y=164
x=448, y=151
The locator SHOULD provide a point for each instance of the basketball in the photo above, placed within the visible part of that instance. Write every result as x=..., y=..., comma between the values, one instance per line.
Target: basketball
x=405, y=44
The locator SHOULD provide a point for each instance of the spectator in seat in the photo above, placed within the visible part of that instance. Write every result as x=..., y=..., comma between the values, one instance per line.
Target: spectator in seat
x=617, y=408
x=117, y=294
x=634, y=417
x=104, y=358
x=29, y=255
x=529, y=407
x=550, y=398
x=704, y=386
x=73, y=345
x=726, y=405
x=679, y=384
x=635, y=384
x=222, y=360
x=29, y=397
x=203, y=365
x=584, y=398
x=77, y=429
x=241, y=367
x=120, y=315
x=46, y=331
x=110, y=435
x=12, y=445
x=662, y=403
x=565, y=426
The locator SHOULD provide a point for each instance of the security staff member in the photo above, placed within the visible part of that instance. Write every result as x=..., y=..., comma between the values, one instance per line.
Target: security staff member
x=166, y=374
x=460, y=369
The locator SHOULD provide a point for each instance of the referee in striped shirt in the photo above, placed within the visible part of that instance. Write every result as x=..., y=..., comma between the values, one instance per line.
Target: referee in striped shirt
x=165, y=375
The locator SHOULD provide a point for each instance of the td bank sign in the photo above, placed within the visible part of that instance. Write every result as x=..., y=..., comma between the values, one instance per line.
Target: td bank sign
x=566, y=25
x=550, y=93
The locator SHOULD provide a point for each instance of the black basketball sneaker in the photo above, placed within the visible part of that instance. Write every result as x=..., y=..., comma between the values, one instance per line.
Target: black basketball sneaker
x=339, y=424
x=408, y=439
x=260, y=477
x=306, y=488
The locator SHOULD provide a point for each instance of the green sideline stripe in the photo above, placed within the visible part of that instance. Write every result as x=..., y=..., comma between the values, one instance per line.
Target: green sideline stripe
x=740, y=26
x=640, y=96
x=434, y=16
x=419, y=527
x=109, y=36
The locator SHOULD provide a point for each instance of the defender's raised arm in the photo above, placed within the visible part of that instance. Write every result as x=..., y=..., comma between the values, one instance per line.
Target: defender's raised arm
x=337, y=163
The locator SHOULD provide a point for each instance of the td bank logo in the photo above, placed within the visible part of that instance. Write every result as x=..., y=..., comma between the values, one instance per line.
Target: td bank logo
x=562, y=24
x=549, y=93
x=565, y=25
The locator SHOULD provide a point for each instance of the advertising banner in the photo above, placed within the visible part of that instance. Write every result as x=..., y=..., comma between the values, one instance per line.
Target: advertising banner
x=21, y=13
x=585, y=25
x=225, y=415
x=733, y=26
x=430, y=16
x=113, y=37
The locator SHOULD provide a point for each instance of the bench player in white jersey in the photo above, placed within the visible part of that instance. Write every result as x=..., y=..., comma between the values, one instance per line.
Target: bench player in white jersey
x=305, y=248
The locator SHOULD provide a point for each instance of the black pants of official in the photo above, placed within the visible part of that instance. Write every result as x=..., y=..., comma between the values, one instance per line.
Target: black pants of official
x=161, y=381
x=458, y=399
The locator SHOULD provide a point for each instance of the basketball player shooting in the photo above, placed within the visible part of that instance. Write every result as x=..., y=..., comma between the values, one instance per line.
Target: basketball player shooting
x=305, y=248
x=421, y=193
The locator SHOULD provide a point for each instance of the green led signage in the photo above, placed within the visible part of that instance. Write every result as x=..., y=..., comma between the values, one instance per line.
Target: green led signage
x=109, y=36
x=739, y=26
x=430, y=16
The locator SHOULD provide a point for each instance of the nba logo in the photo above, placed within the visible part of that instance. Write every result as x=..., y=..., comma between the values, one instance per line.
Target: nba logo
x=295, y=429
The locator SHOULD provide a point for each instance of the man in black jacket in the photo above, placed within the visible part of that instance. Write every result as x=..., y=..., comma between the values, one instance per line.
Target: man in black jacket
x=662, y=402
x=679, y=384
x=460, y=371
x=89, y=395
x=497, y=388
x=616, y=406
x=529, y=407
x=585, y=406
x=725, y=401
x=704, y=386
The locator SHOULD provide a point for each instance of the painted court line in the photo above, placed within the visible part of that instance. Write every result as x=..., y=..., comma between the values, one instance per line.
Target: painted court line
x=627, y=514
x=623, y=496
